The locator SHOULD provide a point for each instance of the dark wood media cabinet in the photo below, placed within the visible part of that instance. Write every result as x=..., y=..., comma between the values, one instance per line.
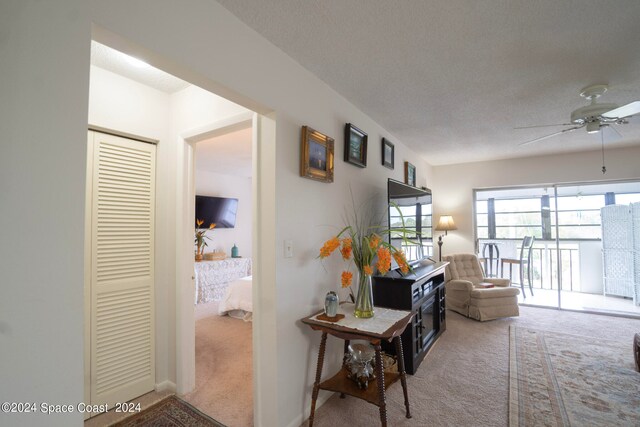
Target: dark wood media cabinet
x=422, y=293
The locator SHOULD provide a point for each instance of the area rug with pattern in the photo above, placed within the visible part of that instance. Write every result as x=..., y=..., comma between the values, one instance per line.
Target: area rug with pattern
x=559, y=379
x=170, y=412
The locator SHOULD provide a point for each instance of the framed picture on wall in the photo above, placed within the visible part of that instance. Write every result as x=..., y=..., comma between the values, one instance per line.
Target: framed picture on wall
x=409, y=174
x=388, y=153
x=355, y=146
x=316, y=155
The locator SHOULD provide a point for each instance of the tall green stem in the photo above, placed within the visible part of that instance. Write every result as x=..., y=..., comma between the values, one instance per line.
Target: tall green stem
x=364, y=299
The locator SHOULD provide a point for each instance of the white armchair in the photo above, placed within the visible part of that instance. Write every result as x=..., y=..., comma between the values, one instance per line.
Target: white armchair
x=473, y=295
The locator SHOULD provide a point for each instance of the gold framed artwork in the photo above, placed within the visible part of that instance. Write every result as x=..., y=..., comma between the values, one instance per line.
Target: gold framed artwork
x=316, y=155
x=409, y=174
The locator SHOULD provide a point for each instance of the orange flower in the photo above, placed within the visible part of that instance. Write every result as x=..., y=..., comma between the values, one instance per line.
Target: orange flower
x=368, y=270
x=329, y=246
x=402, y=261
x=346, y=279
x=384, y=260
x=346, y=248
x=374, y=241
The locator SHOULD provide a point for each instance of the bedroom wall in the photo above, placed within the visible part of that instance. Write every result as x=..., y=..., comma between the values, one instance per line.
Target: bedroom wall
x=220, y=185
x=45, y=72
x=453, y=184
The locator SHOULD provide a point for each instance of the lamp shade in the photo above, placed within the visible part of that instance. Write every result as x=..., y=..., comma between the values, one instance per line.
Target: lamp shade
x=446, y=223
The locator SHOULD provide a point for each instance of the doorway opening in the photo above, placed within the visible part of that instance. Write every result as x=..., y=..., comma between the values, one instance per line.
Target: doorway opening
x=179, y=115
x=222, y=184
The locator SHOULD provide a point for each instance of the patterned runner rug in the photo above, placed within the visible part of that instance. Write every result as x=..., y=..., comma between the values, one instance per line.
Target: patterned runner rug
x=567, y=380
x=170, y=412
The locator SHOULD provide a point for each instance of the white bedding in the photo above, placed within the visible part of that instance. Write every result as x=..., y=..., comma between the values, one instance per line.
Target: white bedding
x=237, y=301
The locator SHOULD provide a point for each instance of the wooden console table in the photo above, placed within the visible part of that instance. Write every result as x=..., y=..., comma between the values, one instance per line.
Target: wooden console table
x=357, y=330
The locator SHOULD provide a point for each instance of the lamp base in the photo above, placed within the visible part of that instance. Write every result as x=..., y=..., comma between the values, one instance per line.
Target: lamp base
x=440, y=248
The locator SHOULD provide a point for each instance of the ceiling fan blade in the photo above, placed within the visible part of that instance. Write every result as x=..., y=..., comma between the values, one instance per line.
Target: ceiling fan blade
x=544, y=126
x=550, y=135
x=610, y=133
x=630, y=109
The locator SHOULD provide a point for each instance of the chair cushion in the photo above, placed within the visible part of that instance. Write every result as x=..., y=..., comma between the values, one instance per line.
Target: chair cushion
x=493, y=302
x=498, y=292
x=464, y=267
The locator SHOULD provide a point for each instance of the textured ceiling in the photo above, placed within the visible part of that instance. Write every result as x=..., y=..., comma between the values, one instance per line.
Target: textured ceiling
x=117, y=62
x=453, y=78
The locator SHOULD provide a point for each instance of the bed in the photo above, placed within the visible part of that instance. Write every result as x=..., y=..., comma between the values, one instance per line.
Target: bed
x=237, y=300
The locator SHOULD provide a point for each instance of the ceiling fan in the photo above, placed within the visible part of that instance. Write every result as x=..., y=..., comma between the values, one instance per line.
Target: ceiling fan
x=594, y=117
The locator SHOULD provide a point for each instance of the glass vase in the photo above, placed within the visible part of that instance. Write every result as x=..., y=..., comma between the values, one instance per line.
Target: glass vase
x=364, y=298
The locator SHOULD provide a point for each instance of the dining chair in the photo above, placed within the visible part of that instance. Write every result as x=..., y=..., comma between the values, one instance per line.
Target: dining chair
x=525, y=259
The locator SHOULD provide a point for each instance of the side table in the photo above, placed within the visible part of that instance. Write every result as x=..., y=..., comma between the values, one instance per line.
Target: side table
x=392, y=323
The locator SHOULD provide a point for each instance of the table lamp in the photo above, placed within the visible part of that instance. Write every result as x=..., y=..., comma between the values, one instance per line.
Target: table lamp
x=444, y=224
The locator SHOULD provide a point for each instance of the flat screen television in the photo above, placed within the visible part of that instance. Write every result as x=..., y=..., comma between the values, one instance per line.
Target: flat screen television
x=415, y=204
x=218, y=210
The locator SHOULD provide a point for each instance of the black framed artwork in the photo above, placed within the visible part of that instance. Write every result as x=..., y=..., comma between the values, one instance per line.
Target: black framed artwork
x=409, y=174
x=388, y=153
x=355, y=146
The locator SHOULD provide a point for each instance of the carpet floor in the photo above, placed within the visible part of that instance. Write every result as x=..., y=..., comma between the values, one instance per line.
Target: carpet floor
x=571, y=380
x=224, y=370
x=464, y=380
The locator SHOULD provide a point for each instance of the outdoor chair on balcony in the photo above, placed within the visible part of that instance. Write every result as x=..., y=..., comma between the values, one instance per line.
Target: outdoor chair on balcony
x=524, y=260
x=471, y=294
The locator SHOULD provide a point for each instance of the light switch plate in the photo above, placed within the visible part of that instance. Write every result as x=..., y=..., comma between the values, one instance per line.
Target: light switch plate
x=288, y=248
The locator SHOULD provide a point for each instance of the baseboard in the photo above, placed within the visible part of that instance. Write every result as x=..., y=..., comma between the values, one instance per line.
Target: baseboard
x=301, y=418
x=166, y=386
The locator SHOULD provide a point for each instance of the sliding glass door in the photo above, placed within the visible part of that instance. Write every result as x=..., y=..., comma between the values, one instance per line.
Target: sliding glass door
x=567, y=265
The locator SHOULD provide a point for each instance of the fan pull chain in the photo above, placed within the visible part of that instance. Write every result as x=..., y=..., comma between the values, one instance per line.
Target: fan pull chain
x=604, y=169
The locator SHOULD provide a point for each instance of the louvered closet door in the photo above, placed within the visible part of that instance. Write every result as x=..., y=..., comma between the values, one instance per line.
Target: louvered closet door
x=122, y=327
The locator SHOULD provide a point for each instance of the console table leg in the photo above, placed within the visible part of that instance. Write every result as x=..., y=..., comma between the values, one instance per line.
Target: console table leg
x=381, y=392
x=403, y=375
x=316, y=384
x=344, y=360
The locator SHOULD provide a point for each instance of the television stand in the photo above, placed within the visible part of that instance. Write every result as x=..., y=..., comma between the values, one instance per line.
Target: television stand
x=422, y=293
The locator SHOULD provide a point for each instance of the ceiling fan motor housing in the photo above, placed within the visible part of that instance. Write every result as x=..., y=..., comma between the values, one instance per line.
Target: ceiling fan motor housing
x=593, y=113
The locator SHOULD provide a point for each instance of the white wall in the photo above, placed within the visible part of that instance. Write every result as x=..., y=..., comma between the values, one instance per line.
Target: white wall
x=44, y=87
x=45, y=79
x=237, y=187
x=453, y=185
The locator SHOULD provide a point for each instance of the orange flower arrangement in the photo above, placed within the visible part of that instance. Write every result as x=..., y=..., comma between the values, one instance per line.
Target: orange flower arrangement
x=346, y=279
x=363, y=244
x=363, y=249
x=201, y=235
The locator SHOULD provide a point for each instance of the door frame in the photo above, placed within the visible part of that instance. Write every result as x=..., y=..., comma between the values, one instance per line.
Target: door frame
x=263, y=258
x=185, y=212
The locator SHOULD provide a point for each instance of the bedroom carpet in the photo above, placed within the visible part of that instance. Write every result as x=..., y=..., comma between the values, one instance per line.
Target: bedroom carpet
x=464, y=380
x=224, y=377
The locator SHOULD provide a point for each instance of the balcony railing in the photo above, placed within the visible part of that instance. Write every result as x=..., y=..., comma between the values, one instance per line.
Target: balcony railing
x=544, y=262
